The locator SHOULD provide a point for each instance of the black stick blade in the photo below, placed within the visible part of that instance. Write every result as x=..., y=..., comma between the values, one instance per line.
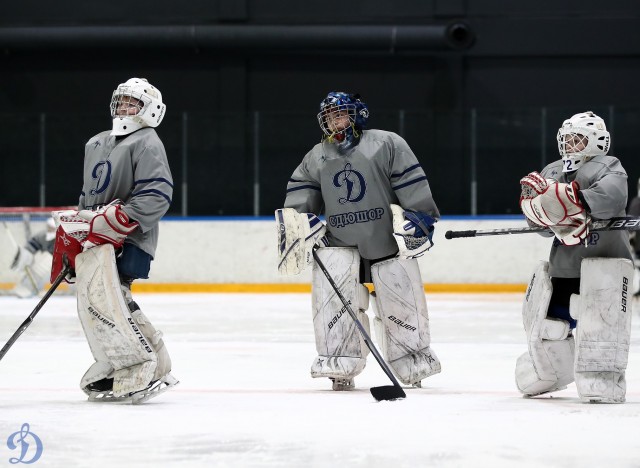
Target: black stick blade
x=388, y=393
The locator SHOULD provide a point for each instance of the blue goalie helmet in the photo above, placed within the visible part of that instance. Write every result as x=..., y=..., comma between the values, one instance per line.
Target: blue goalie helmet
x=342, y=118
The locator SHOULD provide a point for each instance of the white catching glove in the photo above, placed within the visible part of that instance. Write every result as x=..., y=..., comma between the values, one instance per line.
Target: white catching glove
x=413, y=231
x=109, y=225
x=22, y=259
x=559, y=208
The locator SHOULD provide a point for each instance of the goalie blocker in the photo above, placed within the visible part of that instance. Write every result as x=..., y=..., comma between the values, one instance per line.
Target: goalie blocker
x=297, y=234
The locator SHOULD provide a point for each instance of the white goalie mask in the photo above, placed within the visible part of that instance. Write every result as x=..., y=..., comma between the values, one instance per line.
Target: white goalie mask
x=580, y=138
x=134, y=105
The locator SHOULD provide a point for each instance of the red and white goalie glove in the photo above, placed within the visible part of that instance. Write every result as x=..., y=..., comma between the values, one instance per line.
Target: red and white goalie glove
x=110, y=225
x=559, y=208
x=532, y=185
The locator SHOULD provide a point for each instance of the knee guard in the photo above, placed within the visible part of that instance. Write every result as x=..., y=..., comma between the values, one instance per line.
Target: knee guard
x=122, y=346
x=402, y=320
x=603, y=311
x=341, y=349
x=548, y=365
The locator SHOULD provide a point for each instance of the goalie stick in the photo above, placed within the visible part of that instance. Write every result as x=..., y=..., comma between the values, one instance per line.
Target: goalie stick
x=35, y=311
x=386, y=392
x=627, y=223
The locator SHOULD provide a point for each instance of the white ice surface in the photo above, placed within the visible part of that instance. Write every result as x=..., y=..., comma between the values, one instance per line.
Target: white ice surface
x=246, y=398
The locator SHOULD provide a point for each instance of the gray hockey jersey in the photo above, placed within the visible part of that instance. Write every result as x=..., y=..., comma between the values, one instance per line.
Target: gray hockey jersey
x=135, y=170
x=603, y=185
x=354, y=190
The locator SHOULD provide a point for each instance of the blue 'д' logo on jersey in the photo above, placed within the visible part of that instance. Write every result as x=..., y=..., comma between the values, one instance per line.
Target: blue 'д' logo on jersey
x=353, y=182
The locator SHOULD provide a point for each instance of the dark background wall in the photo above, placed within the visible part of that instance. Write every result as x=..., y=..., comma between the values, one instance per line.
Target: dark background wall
x=479, y=107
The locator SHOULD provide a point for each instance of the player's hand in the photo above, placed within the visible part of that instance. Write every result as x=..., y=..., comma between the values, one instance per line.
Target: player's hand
x=111, y=226
x=413, y=231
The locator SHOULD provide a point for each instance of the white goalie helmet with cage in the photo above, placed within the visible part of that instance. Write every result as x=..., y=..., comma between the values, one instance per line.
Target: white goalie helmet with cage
x=580, y=138
x=136, y=104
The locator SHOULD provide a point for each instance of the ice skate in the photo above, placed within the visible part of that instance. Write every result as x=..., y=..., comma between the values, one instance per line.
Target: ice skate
x=101, y=392
x=341, y=385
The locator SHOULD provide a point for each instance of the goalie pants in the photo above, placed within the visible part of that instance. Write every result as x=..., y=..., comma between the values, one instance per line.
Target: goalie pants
x=563, y=288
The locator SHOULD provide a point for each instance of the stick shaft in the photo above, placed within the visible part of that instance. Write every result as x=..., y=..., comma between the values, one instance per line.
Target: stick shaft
x=35, y=311
x=627, y=223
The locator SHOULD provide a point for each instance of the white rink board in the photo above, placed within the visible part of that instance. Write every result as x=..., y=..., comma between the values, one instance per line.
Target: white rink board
x=244, y=251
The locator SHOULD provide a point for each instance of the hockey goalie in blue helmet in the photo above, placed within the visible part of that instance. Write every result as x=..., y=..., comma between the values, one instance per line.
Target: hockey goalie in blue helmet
x=342, y=118
x=379, y=217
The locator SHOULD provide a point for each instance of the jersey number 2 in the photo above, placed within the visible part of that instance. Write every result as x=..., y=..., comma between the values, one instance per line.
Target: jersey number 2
x=568, y=165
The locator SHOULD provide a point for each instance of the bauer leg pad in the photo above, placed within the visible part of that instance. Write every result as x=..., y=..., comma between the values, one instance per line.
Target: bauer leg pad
x=114, y=336
x=341, y=349
x=402, y=320
x=548, y=365
x=603, y=311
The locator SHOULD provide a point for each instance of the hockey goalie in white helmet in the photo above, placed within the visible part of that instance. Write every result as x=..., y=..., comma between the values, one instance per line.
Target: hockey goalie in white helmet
x=580, y=138
x=134, y=105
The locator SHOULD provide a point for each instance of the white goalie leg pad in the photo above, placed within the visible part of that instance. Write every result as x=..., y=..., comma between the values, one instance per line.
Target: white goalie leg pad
x=114, y=336
x=603, y=311
x=402, y=320
x=341, y=349
x=155, y=336
x=548, y=365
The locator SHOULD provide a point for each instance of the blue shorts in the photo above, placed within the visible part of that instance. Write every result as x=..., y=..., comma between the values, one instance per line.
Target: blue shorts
x=133, y=262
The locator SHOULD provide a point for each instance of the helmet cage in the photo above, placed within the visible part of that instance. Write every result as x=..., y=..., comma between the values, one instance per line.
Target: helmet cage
x=333, y=109
x=581, y=137
x=122, y=98
x=139, y=94
x=329, y=119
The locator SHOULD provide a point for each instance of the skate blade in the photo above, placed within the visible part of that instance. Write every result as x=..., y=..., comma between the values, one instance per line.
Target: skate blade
x=155, y=389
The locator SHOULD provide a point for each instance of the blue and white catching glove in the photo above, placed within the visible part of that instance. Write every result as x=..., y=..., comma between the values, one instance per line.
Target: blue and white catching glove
x=413, y=231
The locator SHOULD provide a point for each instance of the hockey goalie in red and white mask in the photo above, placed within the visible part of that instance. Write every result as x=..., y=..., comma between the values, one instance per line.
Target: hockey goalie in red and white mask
x=110, y=242
x=380, y=217
x=577, y=309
